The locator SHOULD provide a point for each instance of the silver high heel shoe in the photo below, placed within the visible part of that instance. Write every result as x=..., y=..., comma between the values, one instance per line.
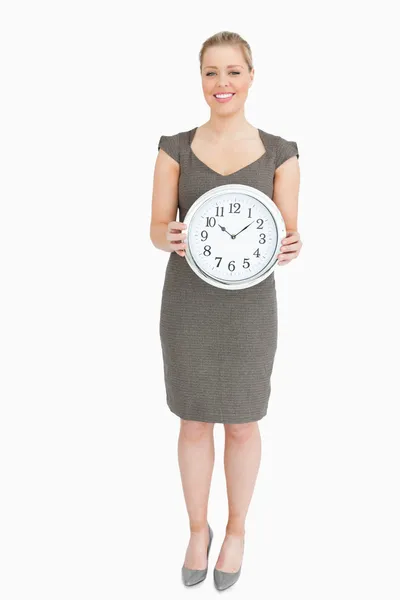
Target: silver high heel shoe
x=193, y=576
x=224, y=580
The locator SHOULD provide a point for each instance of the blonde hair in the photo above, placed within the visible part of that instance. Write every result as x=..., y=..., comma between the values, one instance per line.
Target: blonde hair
x=227, y=38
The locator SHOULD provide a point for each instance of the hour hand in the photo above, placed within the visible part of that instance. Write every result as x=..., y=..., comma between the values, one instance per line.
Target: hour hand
x=224, y=229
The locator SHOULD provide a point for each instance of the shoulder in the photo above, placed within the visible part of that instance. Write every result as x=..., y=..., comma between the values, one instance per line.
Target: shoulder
x=281, y=148
x=174, y=144
x=170, y=138
x=171, y=145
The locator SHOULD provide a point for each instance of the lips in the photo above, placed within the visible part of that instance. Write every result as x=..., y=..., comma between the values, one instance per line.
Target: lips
x=224, y=100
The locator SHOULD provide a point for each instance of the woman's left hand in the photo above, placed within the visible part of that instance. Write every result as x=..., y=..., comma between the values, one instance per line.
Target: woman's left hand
x=290, y=248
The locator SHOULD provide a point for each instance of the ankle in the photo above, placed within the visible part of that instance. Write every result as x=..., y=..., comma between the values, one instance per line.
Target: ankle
x=235, y=528
x=198, y=527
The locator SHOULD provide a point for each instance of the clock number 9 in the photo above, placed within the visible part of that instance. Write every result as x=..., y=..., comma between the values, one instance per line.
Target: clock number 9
x=204, y=232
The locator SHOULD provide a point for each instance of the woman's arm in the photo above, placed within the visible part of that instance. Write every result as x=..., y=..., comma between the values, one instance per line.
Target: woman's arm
x=165, y=199
x=286, y=197
x=286, y=191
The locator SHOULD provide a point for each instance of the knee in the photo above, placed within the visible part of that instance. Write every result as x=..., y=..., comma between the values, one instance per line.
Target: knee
x=240, y=432
x=194, y=431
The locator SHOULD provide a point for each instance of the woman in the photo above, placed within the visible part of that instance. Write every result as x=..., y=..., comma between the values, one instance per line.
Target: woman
x=219, y=345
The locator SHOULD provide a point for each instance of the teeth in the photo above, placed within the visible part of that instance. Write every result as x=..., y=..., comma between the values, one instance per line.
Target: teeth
x=223, y=95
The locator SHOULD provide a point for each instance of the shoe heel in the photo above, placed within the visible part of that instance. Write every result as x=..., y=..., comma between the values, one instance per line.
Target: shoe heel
x=194, y=576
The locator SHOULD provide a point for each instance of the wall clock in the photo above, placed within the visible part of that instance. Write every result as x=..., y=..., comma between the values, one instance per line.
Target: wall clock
x=234, y=235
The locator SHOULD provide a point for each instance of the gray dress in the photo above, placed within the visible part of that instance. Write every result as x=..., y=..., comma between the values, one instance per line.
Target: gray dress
x=218, y=346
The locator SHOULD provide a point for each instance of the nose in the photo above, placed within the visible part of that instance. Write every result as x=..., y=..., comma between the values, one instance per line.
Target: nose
x=223, y=80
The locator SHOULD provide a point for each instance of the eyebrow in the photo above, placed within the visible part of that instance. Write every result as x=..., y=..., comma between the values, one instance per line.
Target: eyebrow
x=229, y=67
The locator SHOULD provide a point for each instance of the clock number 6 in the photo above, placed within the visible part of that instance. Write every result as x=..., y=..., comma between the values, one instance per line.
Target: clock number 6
x=246, y=263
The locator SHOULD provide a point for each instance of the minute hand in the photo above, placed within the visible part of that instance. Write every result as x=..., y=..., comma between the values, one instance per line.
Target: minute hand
x=243, y=229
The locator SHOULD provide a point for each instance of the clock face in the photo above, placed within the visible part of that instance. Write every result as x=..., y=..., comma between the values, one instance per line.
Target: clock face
x=233, y=236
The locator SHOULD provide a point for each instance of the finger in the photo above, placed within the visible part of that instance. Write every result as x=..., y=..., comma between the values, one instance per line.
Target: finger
x=176, y=226
x=176, y=236
x=285, y=260
x=179, y=245
x=291, y=247
x=288, y=255
x=290, y=242
x=294, y=237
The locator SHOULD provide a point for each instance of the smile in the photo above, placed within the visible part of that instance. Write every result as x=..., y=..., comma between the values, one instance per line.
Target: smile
x=223, y=97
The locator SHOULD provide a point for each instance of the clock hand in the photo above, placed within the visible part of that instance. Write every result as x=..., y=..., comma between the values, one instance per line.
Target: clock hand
x=224, y=229
x=244, y=228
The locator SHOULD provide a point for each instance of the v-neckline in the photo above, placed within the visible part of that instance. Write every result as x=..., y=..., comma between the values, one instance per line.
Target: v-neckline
x=191, y=137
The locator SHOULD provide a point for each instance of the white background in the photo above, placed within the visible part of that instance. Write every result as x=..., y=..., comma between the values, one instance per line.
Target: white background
x=91, y=498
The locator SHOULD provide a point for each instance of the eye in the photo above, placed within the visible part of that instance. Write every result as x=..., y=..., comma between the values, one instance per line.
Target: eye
x=234, y=72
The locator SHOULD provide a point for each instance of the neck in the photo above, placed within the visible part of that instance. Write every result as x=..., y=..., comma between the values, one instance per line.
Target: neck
x=231, y=126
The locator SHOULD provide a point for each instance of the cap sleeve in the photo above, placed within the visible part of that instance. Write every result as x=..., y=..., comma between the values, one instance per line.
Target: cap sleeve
x=170, y=144
x=285, y=150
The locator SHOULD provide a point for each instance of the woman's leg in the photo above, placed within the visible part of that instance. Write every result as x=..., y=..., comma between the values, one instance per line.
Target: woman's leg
x=196, y=462
x=242, y=458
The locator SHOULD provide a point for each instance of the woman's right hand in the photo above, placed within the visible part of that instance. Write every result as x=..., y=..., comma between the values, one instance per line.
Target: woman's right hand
x=176, y=236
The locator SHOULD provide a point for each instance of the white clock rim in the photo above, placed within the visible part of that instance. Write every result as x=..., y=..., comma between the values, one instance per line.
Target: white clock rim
x=278, y=221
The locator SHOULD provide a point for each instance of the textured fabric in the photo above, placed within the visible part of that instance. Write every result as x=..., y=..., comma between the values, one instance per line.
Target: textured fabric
x=218, y=345
x=285, y=150
x=170, y=143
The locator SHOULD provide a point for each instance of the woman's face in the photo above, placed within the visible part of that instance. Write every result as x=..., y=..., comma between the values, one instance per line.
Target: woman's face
x=225, y=71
